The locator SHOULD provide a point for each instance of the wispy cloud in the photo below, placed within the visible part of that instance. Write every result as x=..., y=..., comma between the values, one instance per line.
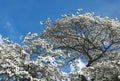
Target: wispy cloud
x=110, y=9
x=11, y=31
x=1, y=39
x=9, y=27
x=8, y=23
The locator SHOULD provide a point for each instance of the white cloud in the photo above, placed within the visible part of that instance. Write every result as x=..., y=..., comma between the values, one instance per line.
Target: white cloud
x=79, y=64
x=11, y=31
x=1, y=41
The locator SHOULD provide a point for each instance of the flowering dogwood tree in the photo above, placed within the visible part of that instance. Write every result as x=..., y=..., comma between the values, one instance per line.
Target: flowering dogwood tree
x=79, y=36
x=16, y=63
x=89, y=37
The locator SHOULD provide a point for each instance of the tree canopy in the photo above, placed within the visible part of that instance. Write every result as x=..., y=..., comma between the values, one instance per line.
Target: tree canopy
x=78, y=36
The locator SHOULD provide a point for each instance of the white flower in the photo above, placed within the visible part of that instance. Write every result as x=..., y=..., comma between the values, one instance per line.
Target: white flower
x=41, y=23
x=23, y=51
x=119, y=76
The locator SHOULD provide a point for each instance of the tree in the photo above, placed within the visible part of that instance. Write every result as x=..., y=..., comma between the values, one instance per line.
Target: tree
x=80, y=36
x=85, y=36
x=90, y=37
x=17, y=64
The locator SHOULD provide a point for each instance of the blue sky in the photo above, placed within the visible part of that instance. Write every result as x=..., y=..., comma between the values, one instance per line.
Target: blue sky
x=18, y=17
